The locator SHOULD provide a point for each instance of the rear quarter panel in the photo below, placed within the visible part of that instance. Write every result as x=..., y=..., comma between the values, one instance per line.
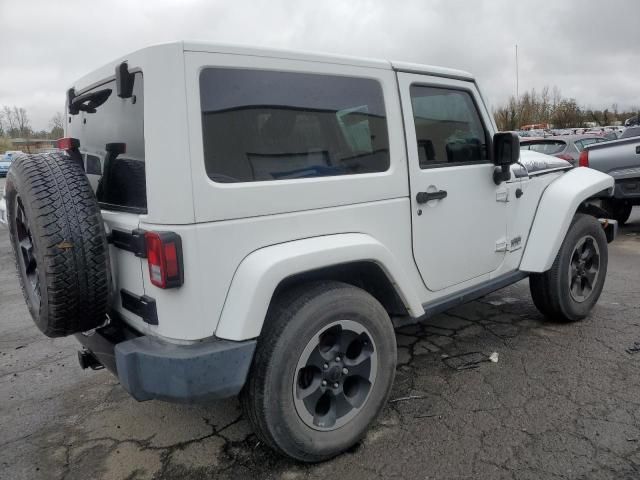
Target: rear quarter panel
x=224, y=201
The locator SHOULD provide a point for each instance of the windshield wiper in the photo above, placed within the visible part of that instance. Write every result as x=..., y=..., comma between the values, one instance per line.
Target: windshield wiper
x=87, y=102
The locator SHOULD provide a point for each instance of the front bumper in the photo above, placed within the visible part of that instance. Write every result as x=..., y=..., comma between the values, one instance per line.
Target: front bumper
x=149, y=368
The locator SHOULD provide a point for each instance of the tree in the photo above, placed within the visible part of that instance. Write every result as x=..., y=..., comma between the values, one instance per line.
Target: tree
x=567, y=114
x=549, y=106
x=22, y=121
x=57, y=125
x=16, y=121
x=7, y=116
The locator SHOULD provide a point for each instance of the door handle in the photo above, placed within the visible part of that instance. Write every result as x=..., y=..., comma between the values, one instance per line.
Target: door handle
x=424, y=197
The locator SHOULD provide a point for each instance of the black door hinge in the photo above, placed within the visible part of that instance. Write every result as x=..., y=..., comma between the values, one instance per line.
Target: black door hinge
x=141, y=305
x=132, y=241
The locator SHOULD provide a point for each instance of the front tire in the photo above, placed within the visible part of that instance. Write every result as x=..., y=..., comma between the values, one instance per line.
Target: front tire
x=322, y=372
x=569, y=290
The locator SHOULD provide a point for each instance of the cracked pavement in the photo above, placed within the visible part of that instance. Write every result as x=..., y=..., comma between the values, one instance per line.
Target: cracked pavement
x=562, y=401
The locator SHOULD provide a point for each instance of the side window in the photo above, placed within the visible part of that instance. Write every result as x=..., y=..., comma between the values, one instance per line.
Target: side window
x=262, y=125
x=448, y=127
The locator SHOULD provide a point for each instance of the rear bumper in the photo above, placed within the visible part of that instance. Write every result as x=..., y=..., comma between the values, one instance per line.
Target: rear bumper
x=628, y=189
x=152, y=369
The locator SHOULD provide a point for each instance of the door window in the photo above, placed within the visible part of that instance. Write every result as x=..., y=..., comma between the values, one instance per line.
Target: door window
x=448, y=127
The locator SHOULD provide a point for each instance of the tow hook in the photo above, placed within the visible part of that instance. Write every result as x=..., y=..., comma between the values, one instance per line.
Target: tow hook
x=88, y=360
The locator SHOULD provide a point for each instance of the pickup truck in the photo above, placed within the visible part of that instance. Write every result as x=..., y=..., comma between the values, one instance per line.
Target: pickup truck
x=620, y=159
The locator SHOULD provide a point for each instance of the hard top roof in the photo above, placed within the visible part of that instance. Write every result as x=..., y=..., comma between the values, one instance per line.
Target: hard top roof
x=189, y=46
x=326, y=58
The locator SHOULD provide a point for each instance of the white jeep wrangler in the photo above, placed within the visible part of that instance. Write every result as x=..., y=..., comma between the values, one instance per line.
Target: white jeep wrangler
x=241, y=221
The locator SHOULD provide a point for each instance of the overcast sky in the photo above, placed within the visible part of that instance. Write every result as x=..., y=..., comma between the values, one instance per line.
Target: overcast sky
x=590, y=49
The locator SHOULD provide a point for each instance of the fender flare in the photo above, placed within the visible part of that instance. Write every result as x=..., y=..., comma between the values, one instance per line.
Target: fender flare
x=259, y=274
x=556, y=209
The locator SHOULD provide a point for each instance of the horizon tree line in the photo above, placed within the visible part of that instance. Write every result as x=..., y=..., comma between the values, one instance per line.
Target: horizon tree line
x=550, y=107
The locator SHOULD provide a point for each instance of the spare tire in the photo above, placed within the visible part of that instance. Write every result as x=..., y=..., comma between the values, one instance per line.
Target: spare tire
x=59, y=243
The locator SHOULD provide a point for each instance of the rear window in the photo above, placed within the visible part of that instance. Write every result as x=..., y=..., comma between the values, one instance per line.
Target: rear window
x=262, y=125
x=112, y=146
x=546, y=147
x=581, y=144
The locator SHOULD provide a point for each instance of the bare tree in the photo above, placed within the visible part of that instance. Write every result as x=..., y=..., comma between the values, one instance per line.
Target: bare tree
x=22, y=121
x=15, y=121
x=57, y=125
x=7, y=115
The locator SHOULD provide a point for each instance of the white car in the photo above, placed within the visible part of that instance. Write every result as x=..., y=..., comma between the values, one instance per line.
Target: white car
x=232, y=220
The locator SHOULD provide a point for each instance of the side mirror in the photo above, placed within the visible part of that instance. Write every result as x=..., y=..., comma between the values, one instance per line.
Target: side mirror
x=506, y=152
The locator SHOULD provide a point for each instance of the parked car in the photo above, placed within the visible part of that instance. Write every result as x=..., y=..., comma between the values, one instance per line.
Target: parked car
x=295, y=208
x=620, y=159
x=631, y=132
x=5, y=161
x=632, y=122
x=567, y=147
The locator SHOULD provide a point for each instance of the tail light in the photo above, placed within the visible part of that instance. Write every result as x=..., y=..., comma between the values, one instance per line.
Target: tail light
x=68, y=143
x=584, y=158
x=164, y=254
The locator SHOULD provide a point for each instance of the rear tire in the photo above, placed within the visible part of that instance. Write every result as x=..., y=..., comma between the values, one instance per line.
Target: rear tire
x=322, y=372
x=59, y=243
x=569, y=290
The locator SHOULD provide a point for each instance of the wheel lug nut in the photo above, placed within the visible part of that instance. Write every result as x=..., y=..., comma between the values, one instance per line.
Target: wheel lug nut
x=324, y=383
x=336, y=385
x=325, y=366
x=345, y=371
x=338, y=359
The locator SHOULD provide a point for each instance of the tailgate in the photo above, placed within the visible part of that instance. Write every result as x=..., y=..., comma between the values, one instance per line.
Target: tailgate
x=126, y=267
x=107, y=125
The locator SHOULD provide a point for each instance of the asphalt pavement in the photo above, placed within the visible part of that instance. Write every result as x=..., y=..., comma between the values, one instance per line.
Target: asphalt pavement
x=561, y=402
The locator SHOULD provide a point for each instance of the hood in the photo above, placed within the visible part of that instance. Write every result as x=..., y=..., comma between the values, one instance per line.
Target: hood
x=535, y=163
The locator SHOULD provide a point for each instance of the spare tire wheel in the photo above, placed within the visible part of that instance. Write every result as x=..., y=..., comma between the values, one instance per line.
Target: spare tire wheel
x=59, y=243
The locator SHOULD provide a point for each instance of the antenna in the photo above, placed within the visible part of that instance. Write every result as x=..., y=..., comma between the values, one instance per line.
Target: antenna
x=517, y=76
